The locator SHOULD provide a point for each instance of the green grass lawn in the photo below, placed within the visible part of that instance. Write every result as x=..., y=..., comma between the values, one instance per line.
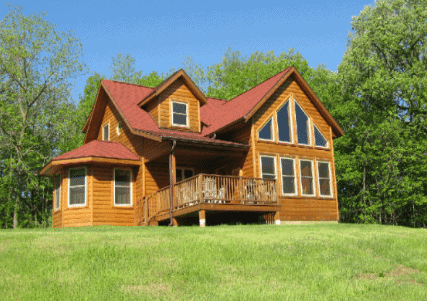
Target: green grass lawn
x=251, y=262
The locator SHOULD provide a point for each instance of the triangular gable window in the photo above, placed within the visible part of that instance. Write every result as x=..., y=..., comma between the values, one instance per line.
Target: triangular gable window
x=303, y=125
x=319, y=139
x=266, y=132
x=284, y=123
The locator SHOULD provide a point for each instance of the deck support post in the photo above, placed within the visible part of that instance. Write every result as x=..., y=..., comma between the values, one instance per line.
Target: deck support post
x=202, y=218
x=277, y=217
x=175, y=222
x=172, y=179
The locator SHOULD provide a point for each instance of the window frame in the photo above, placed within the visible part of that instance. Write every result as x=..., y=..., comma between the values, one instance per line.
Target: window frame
x=187, y=119
x=295, y=177
x=274, y=164
x=291, y=128
x=271, y=129
x=330, y=179
x=59, y=187
x=183, y=169
x=314, y=138
x=108, y=132
x=308, y=125
x=69, y=187
x=130, y=187
x=313, y=186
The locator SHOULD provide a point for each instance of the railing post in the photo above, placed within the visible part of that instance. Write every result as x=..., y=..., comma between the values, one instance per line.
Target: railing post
x=146, y=211
x=200, y=188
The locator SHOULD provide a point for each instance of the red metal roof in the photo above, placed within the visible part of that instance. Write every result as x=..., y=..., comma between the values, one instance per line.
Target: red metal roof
x=100, y=149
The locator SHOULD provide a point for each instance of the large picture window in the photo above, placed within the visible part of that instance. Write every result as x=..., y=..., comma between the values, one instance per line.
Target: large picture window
x=57, y=191
x=266, y=132
x=77, y=187
x=324, y=174
x=284, y=123
x=306, y=172
x=179, y=114
x=122, y=187
x=288, y=176
x=268, y=167
x=319, y=139
x=303, y=125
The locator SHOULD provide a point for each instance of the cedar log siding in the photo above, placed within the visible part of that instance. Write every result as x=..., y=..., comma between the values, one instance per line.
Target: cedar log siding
x=296, y=208
x=57, y=214
x=179, y=92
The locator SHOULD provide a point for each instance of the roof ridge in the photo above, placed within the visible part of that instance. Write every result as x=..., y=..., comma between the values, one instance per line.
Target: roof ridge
x=259, y=84
x=131, y=84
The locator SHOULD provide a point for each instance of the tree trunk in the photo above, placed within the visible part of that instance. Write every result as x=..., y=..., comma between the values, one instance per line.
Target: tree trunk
x=15, y=213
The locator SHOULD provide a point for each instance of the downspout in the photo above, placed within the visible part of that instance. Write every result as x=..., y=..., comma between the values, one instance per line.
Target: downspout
x=171, y=181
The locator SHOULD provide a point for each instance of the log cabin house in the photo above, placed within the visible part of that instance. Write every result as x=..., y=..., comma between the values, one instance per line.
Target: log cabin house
x=170, y=155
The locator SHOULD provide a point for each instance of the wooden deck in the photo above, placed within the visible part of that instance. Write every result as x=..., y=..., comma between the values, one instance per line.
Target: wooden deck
x=205, y=192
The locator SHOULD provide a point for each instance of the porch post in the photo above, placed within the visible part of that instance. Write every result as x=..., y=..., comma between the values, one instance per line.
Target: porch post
x=202, y=218
x=277, y=217
x=172, y=179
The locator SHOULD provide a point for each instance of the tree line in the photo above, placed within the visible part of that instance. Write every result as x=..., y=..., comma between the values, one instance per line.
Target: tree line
x=378, y=96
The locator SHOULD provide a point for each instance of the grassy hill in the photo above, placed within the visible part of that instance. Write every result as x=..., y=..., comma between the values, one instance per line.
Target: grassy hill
x=251, y=262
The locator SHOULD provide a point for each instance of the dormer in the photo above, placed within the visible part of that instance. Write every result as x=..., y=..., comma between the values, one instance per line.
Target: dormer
x=175, y=103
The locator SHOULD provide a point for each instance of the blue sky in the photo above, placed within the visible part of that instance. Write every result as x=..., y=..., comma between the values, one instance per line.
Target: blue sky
x=161, y=34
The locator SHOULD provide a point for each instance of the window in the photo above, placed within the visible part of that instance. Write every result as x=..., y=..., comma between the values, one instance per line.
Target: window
x=268, y=167
x=324, y=174
x=179, y=114
x=77, y=187
x=319, y=139
x=288, y=176
x=284, y=123
x=266, y=132
x=57, y=191
x=303, y=128
x=306, y=167
x=119, y=128
x=183, y=173
x=106, y=132
x=122, y=187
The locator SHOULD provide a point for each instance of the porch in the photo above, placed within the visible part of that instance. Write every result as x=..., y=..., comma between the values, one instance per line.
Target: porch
x=209, y=193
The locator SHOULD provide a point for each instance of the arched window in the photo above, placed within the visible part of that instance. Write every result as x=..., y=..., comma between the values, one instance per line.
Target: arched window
x=284, y=123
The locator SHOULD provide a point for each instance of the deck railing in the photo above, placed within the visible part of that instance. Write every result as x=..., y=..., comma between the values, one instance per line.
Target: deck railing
x=204, y=188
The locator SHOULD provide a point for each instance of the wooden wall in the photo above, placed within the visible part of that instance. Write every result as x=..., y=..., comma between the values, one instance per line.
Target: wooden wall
x=178, y=91
x=297, y=207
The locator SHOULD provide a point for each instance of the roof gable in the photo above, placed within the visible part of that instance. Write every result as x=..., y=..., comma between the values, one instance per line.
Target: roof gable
x=163, y=86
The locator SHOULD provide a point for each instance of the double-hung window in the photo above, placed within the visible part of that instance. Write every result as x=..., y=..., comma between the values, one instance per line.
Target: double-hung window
x=324, y=174
x=57, y=191
x=106, y=132
x=268, y=167
x=122, y=187
x=306, y=173
x=288, y=176
x=77, y=187
x=179, y=114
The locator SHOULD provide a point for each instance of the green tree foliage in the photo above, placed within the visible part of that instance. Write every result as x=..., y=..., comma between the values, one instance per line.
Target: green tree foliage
x=36, y=62
x=381, y=162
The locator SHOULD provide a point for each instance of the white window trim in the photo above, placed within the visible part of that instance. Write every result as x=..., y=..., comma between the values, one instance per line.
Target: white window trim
x=291, y=124
x=314, y=136
x=330, y=180
x=186, y=108
x=103, y=131
x=60, y=182
x=271, y=129
x=308, y=126
x=312, y=174
x=295, y=177
x=77, y=205
x=182, y=172
x=114, y=188
x=119, y=128
x=275, y=166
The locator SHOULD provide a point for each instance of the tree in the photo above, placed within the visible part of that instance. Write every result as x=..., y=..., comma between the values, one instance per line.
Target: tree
x=123, y=69
x=381, y=162
x=36, y=62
